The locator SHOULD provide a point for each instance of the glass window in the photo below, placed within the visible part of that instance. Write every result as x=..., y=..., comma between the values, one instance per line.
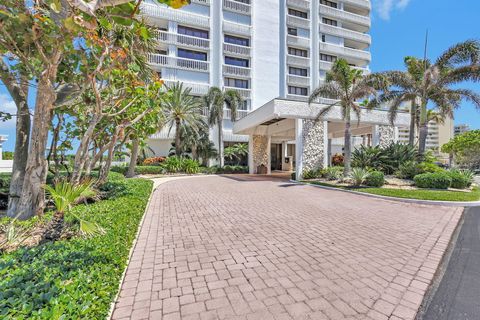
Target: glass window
x=329, y=3
x=236, y=83
x=329, y=22
x=299, y=91
x=297, y=13
x=297, y=52
x=292, y=31
x=236, y=62
x=297, y=71
x=190, y=54
x=192, y=32
x=327, y=57
x=237, y=40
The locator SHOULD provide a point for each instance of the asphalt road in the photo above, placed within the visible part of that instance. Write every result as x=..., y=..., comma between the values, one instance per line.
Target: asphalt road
x=458, y=295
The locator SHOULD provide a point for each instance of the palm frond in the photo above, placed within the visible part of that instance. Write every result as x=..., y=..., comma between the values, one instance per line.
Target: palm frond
x=467, y=52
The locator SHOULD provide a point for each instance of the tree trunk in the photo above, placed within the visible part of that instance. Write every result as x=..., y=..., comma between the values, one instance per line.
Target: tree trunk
x=82, y=151
x=221, y=160
x=348, y=145
x=20, y=157
x=133, y=158
x=105, y=169
x=178, y=149
x=423, y=130
x=32, y=199
x=413, y=115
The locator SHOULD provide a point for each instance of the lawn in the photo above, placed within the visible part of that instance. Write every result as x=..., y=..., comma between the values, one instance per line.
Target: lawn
x=420, y=194
x=76, y=278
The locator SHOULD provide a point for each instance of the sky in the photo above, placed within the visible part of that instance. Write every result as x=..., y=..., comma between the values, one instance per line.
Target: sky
x=398, y=30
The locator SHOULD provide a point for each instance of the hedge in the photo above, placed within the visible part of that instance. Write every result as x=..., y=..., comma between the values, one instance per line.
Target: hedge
x=76, y=278
x=438, y=180
x=375, y=179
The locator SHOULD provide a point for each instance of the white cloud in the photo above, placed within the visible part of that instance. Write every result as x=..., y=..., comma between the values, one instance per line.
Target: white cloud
x=7, y=105
x=384, y=8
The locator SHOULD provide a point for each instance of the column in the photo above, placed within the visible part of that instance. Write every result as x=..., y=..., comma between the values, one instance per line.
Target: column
x=259, y=155
x=315, y=144
x=299, y=149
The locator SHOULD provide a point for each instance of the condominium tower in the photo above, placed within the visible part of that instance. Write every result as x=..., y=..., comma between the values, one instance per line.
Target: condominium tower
x=265, y=49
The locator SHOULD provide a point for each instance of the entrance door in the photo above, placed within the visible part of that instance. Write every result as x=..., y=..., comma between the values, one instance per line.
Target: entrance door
x=276, y=156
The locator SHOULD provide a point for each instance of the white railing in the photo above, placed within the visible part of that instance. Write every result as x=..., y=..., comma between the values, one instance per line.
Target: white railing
x=236, y=71
x=297, y=97
x=181, y=39
x=204, y=2
x=298, y=22
x=227, y=114
x=302, y=4
x=364, y=4
x=344, y=51
x=244, y=93
x=345, y=33
x=178, y=63
x=236, y=28
x=236, y=6
x=298, y=80
x=298, y=61
x=298, y=41
x=157, y=11
x=236, y=49
x=197, y=88
x=344, y=15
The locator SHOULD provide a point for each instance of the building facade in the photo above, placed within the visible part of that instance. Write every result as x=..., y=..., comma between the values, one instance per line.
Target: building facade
x=264, y=49
x=461, y=128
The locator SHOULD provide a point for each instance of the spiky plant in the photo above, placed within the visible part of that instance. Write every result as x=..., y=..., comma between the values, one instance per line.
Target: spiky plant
x=359, y=176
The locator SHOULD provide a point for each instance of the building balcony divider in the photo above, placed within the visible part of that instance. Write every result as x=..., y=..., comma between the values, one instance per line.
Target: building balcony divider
x=236, y=6
x=298, y=61
x=236, y=71
x=236, y=49
x=344, y=15
x=183, y=40
x=344, y=51
x=164, y=13
x=298, y=22
x=298, y=41
x=244, y=93
x=345, y=33
x=236, y=28
x=300, y=4
x=298, y=80
x=178, y=63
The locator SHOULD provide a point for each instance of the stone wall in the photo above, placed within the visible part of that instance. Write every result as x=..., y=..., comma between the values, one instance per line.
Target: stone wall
x=261, y=151
x=314, y=148
x=386, y=135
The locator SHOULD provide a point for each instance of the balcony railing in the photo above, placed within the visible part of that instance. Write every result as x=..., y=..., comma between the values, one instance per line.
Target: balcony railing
x=244, y=93
x=364, y=4
x=236, y=6
x=178, y=63
x=164, y=13
x=236, y=28
x=227, y=114
x=203, y=2
x=346, y=52
x=301, y=4
x=344, y=15
x=298, y=61
x=180, y=39
x=345, y=33
x=298, y=80
x=298, y=22
x=197, y=88
x=298, y=41
x=236, y=71
x=297, y=97
x=236, y=49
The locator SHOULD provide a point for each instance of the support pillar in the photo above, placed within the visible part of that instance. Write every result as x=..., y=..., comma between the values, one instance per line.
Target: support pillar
x=259, y=153
x=312, y=145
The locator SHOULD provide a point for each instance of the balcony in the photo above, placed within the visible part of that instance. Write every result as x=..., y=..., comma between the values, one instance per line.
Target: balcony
x=236, y=28
x=298, y=41
x=363, y=4
x=197, y=88
x=344, y=16
x=236, y=49
x=227, y=114
x=297, y=97
x=298, y=22
x=298, y=80
x=164, y=13
x=178, y=63
x=327, y=66
x=238, y=7
x=183, y=40
x=202, y=2
x=345, y=33
x=236, y=71
x=298, y=61
x=244, y=93
x=345, y=52
x=299, y=4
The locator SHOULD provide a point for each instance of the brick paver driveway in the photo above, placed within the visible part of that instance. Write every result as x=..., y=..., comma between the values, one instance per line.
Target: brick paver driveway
x=250, y=248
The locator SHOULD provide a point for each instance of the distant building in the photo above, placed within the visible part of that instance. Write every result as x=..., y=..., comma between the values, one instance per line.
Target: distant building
x=461, y=128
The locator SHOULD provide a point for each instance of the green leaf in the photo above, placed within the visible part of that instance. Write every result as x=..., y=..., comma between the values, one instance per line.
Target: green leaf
x=56, y=6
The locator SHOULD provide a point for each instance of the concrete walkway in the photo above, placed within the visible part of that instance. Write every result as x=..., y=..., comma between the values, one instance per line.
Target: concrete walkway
x=242, y=247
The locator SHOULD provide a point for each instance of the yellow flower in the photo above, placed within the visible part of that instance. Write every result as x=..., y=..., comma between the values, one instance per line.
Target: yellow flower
x=178, y=3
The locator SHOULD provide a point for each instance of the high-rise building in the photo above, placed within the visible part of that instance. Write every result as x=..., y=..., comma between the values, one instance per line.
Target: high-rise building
x=461, y=128
x=265, y=49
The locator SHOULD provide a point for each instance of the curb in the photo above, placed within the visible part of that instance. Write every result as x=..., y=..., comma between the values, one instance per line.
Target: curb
x=405, y=200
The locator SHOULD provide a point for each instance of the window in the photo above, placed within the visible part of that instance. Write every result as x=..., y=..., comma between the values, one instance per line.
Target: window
x=327, y=57
x=237, y=40
x=297, y=71
x=190, y=54
x=192, y=32
x=292, y=31
x=243, y=1
x=323, y=38
x=162, y=52
x=328, y=3
x=297, y=13
x=297, y=52
x=236, y=83
x=236, y=62
x=299, y=91
x=329, y=22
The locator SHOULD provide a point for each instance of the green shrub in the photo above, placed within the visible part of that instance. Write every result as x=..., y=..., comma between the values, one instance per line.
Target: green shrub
x=461, y=179
x=76, y=278
x=119, y=169
x=387, y=159
x=312, y=174
x=172, y=164
x=333, y=173
x=375, y=179
x=190, y=166
x=5, y=179
x=428, y=167
x=149, y=170
x=437, y=180
x=359, y=175
x=407, y=170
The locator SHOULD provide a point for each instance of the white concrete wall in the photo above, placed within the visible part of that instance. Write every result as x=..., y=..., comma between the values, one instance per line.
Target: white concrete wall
x=6, y=165
x=160, y=147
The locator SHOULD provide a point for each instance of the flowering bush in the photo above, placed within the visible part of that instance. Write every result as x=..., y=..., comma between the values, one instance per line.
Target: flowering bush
x=338, y=160
x=154, y=161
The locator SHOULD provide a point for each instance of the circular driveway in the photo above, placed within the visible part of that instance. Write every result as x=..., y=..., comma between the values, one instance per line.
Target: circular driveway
x=251, y=247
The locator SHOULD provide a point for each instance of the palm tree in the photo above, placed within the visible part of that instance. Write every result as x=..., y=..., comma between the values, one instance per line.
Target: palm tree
x=215, y=100
x=348, y=86
x=431, y=83
x=181, y=109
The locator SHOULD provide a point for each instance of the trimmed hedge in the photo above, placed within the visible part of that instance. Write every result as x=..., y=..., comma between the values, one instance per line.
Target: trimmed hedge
x=76, y=278
x=438, y=180
x=375, y=179
x=460, y=179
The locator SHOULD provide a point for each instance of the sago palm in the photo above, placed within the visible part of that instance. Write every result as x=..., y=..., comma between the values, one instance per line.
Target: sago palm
x=215, y=101
x=347, y=86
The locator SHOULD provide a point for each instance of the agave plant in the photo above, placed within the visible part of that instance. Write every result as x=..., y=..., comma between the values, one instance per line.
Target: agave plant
x=368, y=157
x=64, y=195
x=359, y=175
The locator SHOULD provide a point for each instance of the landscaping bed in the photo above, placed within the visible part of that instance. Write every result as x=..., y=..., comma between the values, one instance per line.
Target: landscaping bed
x=76, y=278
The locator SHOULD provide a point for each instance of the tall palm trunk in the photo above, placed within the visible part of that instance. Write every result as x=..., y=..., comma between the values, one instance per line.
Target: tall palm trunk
x=348, y=144
x=178, y=149
x=221, y=160
x=423, y=130
x=413, y=115
x=133, y=158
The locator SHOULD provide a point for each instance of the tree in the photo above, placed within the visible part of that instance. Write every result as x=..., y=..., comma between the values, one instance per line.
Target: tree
x=348, y=86
x=181, y=109
x=215, y=101
x=465, y=148
x=237, y=151
x=434, y=83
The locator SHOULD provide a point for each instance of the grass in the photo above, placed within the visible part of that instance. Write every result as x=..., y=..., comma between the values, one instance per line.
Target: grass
x=419, y=194
x=76, y=278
